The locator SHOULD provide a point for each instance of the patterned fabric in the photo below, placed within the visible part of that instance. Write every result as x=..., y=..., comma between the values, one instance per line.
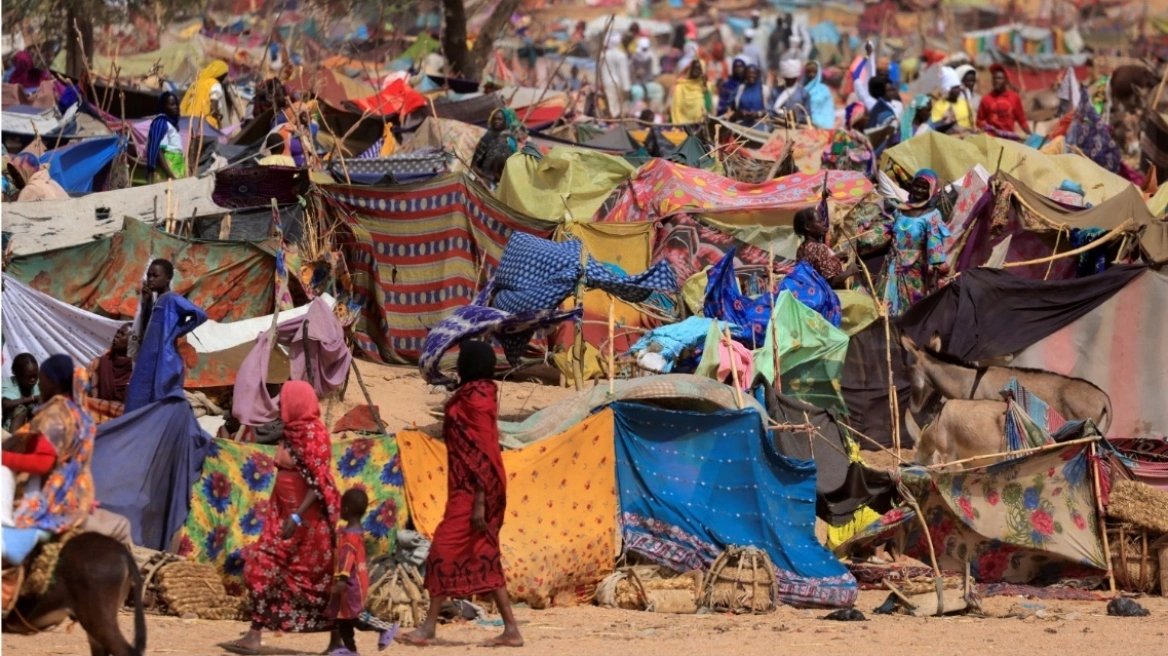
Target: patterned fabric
x=228, y=280
x=1030, y=422
x=806, y=147
x=559, y=535
x=66, y=494
x=811, y=354
x=919, y=245
x=820, y=256
x=748, y=316
x=667, y=518
x=514, y=332
x=230, y=503
x=1091, y=134
x=807, y=285
x=691, y=246
x=849, y=150
x=418, y=252
x=1029, y=520
x=537, y=274
x=402, y=167
x=455, y=137
x=463, y=560
x=661, y=189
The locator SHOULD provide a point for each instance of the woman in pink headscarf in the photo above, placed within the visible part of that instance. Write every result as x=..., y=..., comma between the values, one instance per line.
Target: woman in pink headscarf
x=24, y=74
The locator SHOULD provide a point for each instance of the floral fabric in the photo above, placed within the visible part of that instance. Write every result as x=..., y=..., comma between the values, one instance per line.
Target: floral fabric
x=230, y=502
x=919, y=245
x=1027, y=520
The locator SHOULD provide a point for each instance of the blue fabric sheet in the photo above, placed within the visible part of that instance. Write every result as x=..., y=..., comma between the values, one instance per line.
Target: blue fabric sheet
x=692, y=484
x=75, y=166
x=749, y=316
x=538, y=274
x=144, y=464
x=672, y=339
x=158, y=371
x=812, y=290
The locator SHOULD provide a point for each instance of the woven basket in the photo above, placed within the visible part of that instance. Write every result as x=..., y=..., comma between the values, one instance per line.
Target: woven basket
x=399, y=595
x=742, y=580
x=187, y=588
x=650, y=588
x=1139, y=504
x=1134, y=558
x=41, y=569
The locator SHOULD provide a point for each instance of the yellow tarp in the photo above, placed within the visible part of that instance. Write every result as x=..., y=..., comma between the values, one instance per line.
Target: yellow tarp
x=559, y=537
x=951, y=158
x=1158, y=203
x=566, y=184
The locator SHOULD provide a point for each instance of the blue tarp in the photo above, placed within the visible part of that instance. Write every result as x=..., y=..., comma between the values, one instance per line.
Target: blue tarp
x=693, y=483
x=75, y=166
x=144, y=464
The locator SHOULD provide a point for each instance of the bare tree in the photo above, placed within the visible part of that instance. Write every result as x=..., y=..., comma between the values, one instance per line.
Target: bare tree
x=469, y=62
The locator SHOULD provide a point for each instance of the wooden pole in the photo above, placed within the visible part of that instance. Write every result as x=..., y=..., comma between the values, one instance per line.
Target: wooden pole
x=1019, y=452
x=1102, y=517
x=369, y=399
x=611, y=345
x=733, y=368
x=778, y=381
x=578, y=341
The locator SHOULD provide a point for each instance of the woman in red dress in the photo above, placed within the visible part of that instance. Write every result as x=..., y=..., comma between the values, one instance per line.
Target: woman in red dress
x=288, y=572
x=465, y=559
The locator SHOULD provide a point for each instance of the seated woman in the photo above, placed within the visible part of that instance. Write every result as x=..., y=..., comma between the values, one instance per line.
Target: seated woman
x=164, y=146
x=109, y=377
x=850, y=149
x=498, y=144
x=21, y=393
x=919, y=239
x=290, y=135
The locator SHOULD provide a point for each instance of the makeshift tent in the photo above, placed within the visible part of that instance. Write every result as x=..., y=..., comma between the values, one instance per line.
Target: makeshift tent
x=566, y=184
x=75, y=167
x=951, y=158
x=692, y=484
x=230, y=281
x=559, y=536
x=229, y=501
x=144, y=465
x=811, y=354
x=458, y=139
x=416, y=252
x=1028, y=520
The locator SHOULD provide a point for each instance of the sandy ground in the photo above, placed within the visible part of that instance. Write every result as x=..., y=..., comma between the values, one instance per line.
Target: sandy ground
x=1064, y=627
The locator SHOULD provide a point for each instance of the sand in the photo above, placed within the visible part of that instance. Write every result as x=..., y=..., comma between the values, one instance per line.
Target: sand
x=404, y=400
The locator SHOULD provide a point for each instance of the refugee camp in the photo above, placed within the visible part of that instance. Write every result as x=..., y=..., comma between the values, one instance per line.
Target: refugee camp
x=584, y=327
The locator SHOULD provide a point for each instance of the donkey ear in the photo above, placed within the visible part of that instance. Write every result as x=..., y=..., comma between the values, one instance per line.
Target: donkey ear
x=908, y=343
x=935, y=342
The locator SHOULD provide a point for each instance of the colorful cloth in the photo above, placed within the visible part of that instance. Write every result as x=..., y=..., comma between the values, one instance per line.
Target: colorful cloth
x=1029, y=520
x=66, y=495
x=514, y=332
x=559, y=536
x=812, y=290
x=109, y=376
x=673, y=522
x=290, y=579
x=1002, y=112
x=821, y=101
x=159, y=369
x=351, y=566
x=1091, y=134
x=199, y=99
x=537, y=274
x=464, y=561
x=749, y=317
x=850, y=149
x=230, y=503
x=919, y=244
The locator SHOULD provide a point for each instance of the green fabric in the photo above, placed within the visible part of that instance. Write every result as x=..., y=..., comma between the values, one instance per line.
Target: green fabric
x=782, y=237
x=693, y=153
x=567, y=184
x=178, y=163
x=858, y=311
x=422, y=47
x=811, y=354
x=952, y=158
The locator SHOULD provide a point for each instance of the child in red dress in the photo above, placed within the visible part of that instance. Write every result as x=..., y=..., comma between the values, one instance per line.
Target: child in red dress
x=351, y=582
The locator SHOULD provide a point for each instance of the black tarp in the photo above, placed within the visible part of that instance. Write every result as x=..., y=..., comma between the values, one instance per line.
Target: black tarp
x=864, y=385
x=252, y=223
x=841, y=486
x=987, y=313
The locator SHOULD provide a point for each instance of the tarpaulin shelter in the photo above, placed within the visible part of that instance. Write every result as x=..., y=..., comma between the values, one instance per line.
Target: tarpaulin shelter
x=329, y=84
x=566, y=184
x=229, y=280
x=951, y=158
x=397, y=97
x=418, y=251
x=691, y=484
x=77, y=166
x=1028, y=520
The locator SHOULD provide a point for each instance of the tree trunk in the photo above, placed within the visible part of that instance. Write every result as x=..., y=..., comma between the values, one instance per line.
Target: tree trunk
x=78, y=52
x=469, y=63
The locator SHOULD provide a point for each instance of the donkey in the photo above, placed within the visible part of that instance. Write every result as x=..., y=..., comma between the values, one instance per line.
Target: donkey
x=959, y=430
x=1073, y=398
x=94, y=574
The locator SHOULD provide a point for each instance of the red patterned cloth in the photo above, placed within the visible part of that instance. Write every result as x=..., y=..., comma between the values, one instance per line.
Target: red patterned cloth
x=290, y=579
x=463, y=561
x=351, y=566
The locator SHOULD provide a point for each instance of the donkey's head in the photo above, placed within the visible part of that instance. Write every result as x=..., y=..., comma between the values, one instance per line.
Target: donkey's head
x=916, y=359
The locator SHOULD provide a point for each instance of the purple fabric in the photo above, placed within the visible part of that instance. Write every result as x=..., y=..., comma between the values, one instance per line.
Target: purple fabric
x=328, y=356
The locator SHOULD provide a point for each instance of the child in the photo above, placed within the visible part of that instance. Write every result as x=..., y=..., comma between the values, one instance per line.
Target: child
x=351, y=582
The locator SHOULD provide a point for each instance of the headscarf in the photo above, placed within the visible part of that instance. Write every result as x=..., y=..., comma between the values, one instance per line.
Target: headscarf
x=853, y=113
x=907, y=127
x=689, y=53
x=790, y=68
x=197, y=100
x=476, y=361
x=750, y=97
x=113, y=376
x=821, y=101
x=930, y=176
x=159, y=128
x=963, y=70
x=949, y=79
x=59, y=369
x=23, y=69
x=691, y=100
x=1069, y=88
x=307, y=442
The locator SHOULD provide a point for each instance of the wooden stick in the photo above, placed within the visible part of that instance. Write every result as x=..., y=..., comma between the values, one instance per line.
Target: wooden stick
x=733, y=368
x=1058, y=238
x=1082, y=249
x=369, y=399
x=578, y=341
x=1102, y=518
x=874, y=442
x=611, y=344
x=778, y=381
x=908, y=497
x=1019, y=452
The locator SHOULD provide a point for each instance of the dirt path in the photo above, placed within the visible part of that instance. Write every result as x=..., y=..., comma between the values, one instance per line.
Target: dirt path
x=1078, y=628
